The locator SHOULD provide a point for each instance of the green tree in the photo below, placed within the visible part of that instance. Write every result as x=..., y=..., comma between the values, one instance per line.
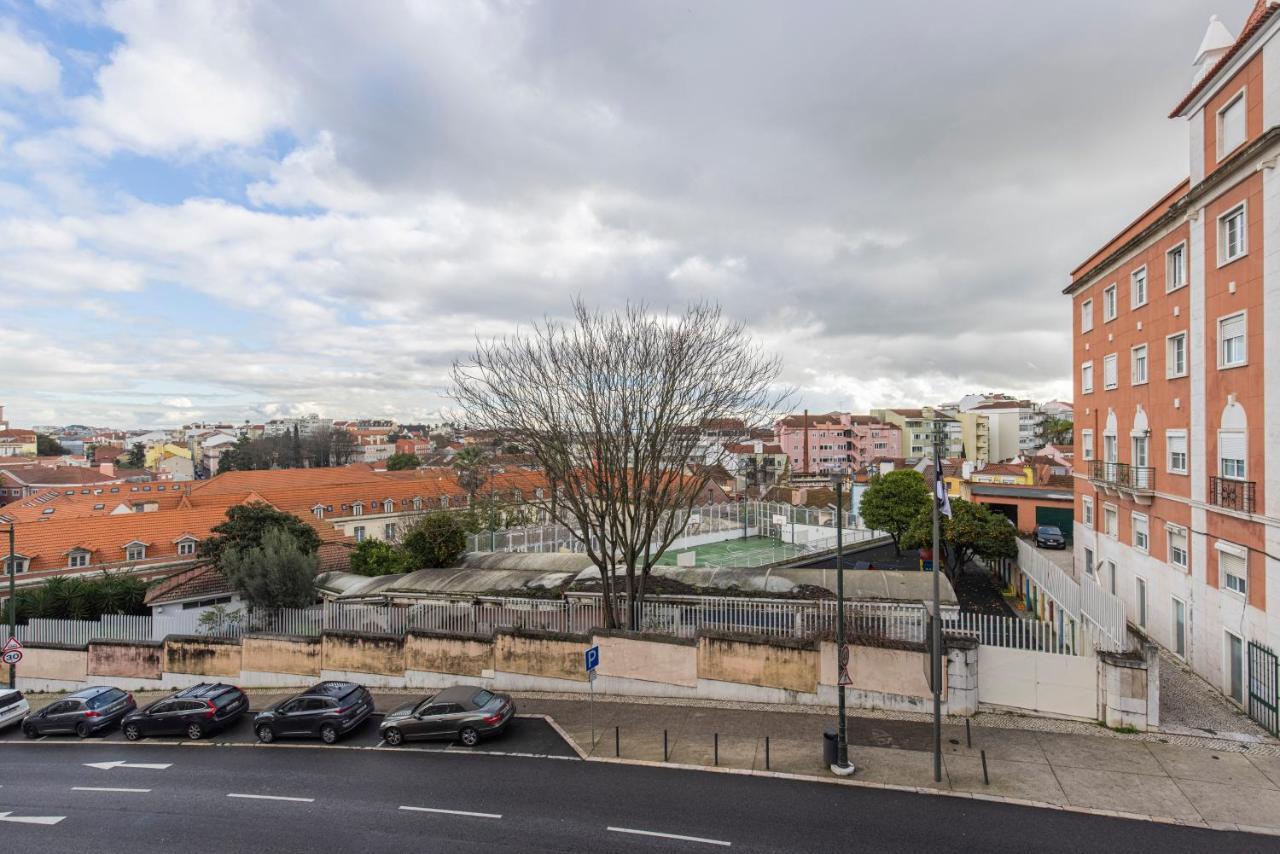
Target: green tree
x=893, y=501
x=247, y=524
x=971, y=531
x=378, y=557
x=276, y=573
x=400, y=462
x=433, y=541
x=137, y=456
x=1055, y=431
x=472, y=466
x=227, y=461
x=47, y=446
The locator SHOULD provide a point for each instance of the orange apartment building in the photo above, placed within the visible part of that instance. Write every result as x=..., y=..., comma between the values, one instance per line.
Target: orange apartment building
x=1177, y=379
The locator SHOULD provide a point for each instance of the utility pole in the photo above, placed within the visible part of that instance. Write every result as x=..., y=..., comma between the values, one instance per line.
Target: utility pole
x=935, y=665
x=13, y=602
x=842, y=766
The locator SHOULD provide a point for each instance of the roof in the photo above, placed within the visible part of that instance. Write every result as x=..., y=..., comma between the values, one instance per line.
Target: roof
x=1011, y=491
x=1263, y=11
x=196, y=583
x=813, y=420
x=44, y=475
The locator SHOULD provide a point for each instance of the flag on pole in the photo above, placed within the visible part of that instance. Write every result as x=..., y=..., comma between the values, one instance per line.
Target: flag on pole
x=944, y=500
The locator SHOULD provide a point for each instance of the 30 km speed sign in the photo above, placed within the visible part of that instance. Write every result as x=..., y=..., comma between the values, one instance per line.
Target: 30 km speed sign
x=13, y=656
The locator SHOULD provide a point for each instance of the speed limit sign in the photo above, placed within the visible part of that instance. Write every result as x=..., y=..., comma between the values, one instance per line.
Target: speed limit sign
x=13, y=656
x=844, y=666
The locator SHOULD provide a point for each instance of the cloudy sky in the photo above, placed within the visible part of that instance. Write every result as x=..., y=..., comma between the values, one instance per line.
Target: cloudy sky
x=236, y=210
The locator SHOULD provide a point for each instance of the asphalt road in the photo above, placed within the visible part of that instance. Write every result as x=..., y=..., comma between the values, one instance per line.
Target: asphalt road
x=305, y=798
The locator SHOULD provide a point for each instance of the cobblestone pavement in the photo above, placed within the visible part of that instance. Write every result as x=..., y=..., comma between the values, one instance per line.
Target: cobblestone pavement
x=1190, y=706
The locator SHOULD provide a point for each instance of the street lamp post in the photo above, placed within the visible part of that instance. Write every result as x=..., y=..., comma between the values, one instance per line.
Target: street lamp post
x=13, y=603
x=935, y=665
x=842, y=766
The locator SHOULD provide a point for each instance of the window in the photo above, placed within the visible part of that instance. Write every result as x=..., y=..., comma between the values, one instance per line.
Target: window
x=1138, y=365
x=1086, y=444
x=389, y=532
x=1138, y=287
x=135, y=552
x=1110, y=451
x=1088, y=562
x=1233, y=567
x=78, y=559
x=1086, y=316
x=19, y=564
x=1086, y=378
x=1232, y=240
x=186, y=548
x=1177, y=546
x=1231, y=126
x=1086, y=504
x=417, y=502
x=1175, y=267
x=1110, y=520
x=1175, y=355
x=1141, y=589
x=1141, y=532
x=357, y=509
x=1109, y=303
x=1231, y=344
x=388, y=506
x=358, y=533
x=1231, y=454
x=1179, y=628
x=1141, y=457
x=1109, y=380
x=317, y=511
x=1175, y=442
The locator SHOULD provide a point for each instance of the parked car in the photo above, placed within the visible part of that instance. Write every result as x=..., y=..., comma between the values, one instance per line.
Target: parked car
x=84, y=713
x=466, y=713
x=328, y=710
x=1050, y=537
x=13, y=707
x=194, y=712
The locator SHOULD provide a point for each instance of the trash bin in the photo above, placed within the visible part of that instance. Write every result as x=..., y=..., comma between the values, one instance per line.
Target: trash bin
x=829, y=752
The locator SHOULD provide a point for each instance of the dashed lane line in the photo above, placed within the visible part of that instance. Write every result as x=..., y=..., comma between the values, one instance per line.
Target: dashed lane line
x=270, y=797
x=108, y=789
x=675, y=836
x=453, y=812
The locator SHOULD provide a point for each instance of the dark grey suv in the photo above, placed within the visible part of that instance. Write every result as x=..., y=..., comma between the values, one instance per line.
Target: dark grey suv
x=464, y=712
x=84, y=713
x=327, y=709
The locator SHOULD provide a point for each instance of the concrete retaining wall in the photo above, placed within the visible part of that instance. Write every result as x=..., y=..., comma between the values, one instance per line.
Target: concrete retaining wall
x=197, y=656
x=539, y=654
x=269, y=660
x=52, y=668
x=352, y=652
x=785, y=665
x=448, y=654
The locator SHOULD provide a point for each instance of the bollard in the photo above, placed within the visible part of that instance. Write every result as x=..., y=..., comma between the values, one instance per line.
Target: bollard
x=664, y=745
x=617, y=742
x=968, y=736
x=766, y=753
x=717, y=748
x=986, y=781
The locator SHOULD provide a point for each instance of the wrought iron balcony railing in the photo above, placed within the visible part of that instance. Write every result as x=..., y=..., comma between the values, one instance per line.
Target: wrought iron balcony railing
x=1232, y=494
x=1123, y=476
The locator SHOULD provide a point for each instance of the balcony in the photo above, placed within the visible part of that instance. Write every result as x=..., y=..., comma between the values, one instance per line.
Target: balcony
x=1135, y=482
x=1232, y=494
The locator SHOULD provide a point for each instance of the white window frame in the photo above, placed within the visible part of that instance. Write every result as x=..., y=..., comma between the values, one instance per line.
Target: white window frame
x=1086, y=444
x=1086, y=505
x=1221, y=141
x=1179, y=640
x=1172, y=531
x=1138, y=276
x=1169, y=362
x=1169, y=436
x=186, y=548
x=78, y=559
x=1140, y=532
x=1140, y=593
x=1223, y=364
x=1086, y=377
x=1111, y=521
x=1243, y=473
x=359, y=533
x=1139, y=355
x=1243, y=210
x=1110, y=362
x=140, y=550
x=1086, y=315
x=1110, y=303
x=1090, y=564
x=1172, y=283
x=1242, y=590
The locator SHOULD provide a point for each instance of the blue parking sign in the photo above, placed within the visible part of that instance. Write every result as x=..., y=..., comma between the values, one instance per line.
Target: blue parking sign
x=593, y=658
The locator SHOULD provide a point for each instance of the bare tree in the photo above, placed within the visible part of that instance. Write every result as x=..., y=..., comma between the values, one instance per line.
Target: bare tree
x=614, y=406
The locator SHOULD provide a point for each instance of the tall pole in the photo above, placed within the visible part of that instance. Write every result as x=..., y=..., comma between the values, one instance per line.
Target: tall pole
x=936, y=645
x=13, y=603
x=842, y=739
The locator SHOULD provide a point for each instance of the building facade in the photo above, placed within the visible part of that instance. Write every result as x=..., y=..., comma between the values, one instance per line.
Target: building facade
x=1177, y=378
x=835, y=441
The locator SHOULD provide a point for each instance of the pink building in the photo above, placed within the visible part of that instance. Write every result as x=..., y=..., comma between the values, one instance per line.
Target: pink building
x=835, y=441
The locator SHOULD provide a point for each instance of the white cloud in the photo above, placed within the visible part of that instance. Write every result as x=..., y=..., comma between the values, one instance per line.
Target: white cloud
x=25, y=65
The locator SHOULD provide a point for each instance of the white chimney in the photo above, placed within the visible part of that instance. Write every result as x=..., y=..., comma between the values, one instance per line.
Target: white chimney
x=109, y=469
x=1217, y=41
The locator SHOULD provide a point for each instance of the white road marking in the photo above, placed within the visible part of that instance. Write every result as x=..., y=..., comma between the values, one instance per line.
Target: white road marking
x=670, y=836
x=31, y=819
x=106, y=789
x=453, y=812
x=270, y=797
x=120, y=763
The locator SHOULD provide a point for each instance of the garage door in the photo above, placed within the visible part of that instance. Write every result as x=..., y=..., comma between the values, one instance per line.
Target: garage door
x=1060, y=517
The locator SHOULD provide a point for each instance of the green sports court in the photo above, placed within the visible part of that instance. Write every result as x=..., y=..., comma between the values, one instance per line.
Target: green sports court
x=751, y=551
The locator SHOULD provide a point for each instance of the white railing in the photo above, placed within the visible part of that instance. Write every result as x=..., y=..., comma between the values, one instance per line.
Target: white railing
x=1018, y=633
x=1086, y=603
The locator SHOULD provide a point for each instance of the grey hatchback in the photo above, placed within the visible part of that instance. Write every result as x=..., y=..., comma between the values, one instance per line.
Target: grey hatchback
x=464, y=712
x=84, y=713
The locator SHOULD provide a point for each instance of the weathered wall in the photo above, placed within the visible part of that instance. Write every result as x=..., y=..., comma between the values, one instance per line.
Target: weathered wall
x=279, y=654
x=544, y=655
x=201, y=656
x=50, y=663
x=790, y=666
x=882, y=670
x=435, y=653
x=352, y=652
x=128, y=659
x=1129, y=689
x=672, y=662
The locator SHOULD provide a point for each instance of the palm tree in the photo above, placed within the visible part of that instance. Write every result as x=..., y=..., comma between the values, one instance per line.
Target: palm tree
x=472, y=465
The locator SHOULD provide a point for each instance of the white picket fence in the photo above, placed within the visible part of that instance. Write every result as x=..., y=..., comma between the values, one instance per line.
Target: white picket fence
x=1087, y=603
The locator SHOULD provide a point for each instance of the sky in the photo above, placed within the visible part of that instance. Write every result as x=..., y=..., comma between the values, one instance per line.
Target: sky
x=241, y=210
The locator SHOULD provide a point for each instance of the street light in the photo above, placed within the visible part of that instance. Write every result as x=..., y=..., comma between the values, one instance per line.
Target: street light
x=935, y=664
x=13, y=603
x=842, y=766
